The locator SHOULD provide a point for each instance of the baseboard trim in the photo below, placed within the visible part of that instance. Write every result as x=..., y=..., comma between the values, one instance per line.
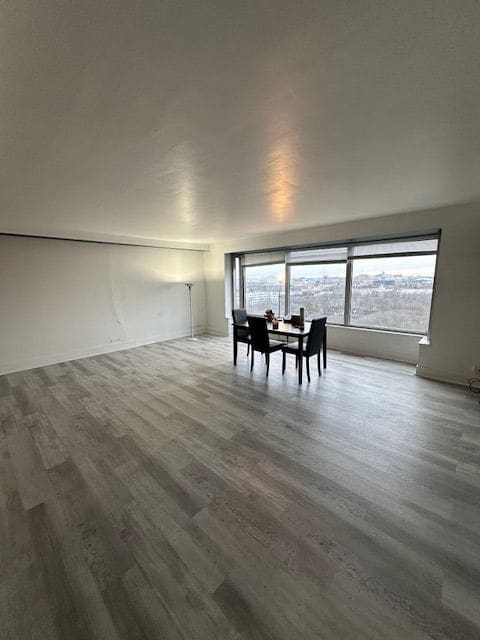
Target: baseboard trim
x=441, y=376
x=212, y=331
x=79, y=354
x=370, y=354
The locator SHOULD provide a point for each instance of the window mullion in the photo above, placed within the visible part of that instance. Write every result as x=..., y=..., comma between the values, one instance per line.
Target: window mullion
x=287, y=290
x=242, y=287
x=348, y=289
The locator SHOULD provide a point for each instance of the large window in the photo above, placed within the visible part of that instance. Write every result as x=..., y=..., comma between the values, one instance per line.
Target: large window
x=386, y=284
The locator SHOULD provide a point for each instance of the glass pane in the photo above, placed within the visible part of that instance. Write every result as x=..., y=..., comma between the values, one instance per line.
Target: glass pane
x=265, y=289
x=320, y=288
x=393, y=293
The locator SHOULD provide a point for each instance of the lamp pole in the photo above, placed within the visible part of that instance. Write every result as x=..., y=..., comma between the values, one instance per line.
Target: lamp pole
x=190, y=285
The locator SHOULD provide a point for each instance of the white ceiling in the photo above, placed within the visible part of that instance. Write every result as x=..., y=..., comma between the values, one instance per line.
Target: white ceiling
x=196, y=120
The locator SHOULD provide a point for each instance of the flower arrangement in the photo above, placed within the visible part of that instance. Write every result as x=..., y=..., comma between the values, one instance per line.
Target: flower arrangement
x=269, y=315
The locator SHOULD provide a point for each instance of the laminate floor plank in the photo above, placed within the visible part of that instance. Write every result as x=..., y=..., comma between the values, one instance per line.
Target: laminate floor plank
x=69, y=621
x=32, y=479
x=160, y=493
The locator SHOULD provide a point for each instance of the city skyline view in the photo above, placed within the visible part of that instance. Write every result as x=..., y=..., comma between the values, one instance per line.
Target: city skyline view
x=391, y=293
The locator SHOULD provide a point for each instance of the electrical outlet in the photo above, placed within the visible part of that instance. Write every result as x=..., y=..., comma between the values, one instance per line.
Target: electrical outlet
x=115, y=340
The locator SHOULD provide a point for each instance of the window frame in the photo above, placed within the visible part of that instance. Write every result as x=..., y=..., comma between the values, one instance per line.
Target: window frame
x=396, y=255
x=349, y=244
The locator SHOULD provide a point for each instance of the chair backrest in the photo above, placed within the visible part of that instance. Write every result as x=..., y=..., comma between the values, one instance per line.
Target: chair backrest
x=258, y=333
x=315, y=336
x=239, y=315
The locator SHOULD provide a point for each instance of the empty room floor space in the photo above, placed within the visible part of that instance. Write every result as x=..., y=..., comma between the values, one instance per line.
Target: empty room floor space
x=162, y=493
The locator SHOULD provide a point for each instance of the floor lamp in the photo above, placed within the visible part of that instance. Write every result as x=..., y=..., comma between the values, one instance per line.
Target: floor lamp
x=190, y=285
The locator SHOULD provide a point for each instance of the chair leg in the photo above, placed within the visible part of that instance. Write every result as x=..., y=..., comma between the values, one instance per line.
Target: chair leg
x=296, y=361
x=284, y=362
x=248, y=349
x=319, y=366
x=307, y=362
x=251, y=364
x=267, y=359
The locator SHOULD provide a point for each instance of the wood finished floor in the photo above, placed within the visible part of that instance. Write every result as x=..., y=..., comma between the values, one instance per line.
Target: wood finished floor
x=162, y=493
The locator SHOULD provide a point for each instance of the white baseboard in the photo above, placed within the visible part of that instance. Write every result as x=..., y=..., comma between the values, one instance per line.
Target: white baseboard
x=77, y=354
x=212, y=331
x=441, y=376
x=372, y=354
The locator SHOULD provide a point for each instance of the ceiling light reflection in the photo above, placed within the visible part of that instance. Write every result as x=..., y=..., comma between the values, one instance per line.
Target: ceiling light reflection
x=282, y=162
x=185, y=182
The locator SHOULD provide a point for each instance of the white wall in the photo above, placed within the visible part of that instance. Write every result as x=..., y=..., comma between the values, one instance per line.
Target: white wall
x=61, y=300
x=218, y=295
x=454, y=346
x=402, y=347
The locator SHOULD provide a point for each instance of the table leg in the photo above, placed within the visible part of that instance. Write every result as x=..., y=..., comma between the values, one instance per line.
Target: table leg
x=300, y=359
x=324, y=347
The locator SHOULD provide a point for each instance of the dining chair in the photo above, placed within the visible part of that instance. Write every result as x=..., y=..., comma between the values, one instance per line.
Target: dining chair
x=312, y=348
x=241, y=334
x=260, y=339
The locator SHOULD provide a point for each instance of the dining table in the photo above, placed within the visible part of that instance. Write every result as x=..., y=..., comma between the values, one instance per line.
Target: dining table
x=288, y=330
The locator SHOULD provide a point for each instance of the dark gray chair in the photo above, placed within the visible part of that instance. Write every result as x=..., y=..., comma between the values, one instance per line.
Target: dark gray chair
x=240, y=333
x=312, y=348
x=260, y=340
